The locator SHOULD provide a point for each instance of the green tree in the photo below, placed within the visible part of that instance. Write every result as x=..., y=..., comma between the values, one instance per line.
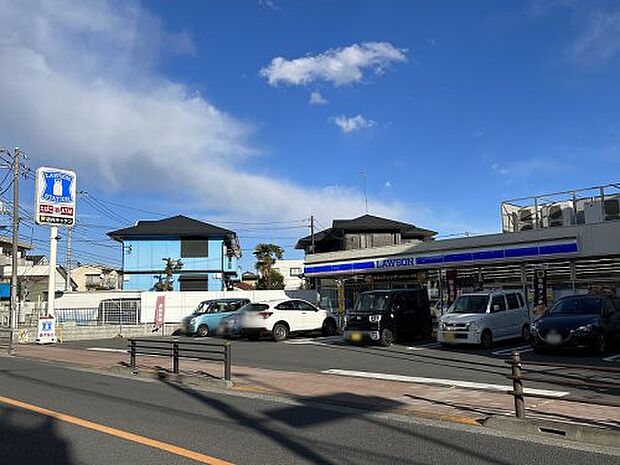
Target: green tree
x=266, y=255
x=164, y=283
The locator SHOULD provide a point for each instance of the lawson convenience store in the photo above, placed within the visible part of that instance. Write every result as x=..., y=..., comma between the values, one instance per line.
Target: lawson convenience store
x=574, y=259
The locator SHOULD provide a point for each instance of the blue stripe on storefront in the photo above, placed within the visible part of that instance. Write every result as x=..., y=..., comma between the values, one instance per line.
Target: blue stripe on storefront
x=518, y=252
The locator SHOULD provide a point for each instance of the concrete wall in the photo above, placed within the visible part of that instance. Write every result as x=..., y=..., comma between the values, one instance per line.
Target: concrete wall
x=76, y=333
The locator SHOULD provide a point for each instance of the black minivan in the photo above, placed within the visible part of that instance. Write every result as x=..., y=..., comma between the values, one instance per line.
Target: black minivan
x=384, y=316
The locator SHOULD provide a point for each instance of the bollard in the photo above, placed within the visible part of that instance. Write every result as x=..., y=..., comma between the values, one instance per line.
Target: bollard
x=227, y=362
x=517, y=385
x=132, y=355
x=175, y=356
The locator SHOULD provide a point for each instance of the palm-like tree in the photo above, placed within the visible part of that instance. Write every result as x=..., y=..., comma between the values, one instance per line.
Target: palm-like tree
x=266, y=255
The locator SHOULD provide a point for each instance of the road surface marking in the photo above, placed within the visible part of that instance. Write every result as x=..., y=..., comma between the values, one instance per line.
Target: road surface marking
x=427, y=345
x=509, y=350
x=171, y=448
x=613, y=358
x=441, y=382
x=107, y=349
x=319, y=341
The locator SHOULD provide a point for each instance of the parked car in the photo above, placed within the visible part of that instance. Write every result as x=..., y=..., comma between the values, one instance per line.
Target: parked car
x=485, y=317
x=584, y=321
x=384, y=316
x=231, y=325
x=205, y=319
x=281, y=318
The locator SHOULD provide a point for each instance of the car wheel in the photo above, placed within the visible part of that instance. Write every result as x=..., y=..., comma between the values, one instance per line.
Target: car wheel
x=329, y=327
x=387, y=337
x=486, y=339
x=601, y=344
x=203, y=331
x=525, y=333
x=253, y=337
x=280, y=332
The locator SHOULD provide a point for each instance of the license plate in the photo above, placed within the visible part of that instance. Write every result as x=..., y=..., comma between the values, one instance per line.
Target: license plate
x=448, y=337
x=554, y=338
x=356, y=337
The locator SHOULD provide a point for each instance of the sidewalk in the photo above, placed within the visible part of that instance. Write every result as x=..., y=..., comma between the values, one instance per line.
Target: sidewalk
x=438, y=402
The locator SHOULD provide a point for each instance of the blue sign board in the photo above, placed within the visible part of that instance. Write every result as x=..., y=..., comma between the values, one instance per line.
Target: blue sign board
x=55, y=196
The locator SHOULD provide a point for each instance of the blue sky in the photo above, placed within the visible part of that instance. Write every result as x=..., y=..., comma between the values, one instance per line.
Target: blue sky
x=204, y=108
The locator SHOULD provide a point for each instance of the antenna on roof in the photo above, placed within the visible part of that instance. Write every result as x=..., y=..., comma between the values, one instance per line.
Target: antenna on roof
x=364, y=179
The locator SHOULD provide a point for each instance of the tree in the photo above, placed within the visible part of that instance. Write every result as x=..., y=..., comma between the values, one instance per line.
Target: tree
x=164, y=284
x=266, y=255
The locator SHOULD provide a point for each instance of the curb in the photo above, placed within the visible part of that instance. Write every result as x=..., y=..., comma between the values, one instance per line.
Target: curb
x=555, y=429
x=181, y=378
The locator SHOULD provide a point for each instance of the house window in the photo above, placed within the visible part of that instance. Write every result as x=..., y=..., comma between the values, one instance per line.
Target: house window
x=191, y=248
x=194, y=283
x=295, y=271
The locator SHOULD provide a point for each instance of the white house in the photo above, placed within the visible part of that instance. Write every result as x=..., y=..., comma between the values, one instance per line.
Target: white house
x=292, y=271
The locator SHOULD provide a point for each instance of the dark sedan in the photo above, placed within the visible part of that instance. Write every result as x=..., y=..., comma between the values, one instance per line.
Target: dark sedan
x=584, y=321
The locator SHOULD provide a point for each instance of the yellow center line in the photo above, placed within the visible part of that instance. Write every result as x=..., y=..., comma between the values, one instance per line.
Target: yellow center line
x=171, y=448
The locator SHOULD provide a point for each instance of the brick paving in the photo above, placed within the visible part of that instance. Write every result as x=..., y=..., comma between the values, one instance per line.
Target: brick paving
x=442, y=402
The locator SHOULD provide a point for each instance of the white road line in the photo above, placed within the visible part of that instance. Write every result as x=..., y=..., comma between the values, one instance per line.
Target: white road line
x=441, y=382
x=429, y=345
x=107, y=349
x=319, y=341
x=613, y=358
x=509, y=351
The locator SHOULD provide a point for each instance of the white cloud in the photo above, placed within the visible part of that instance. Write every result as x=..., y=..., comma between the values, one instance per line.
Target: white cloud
x=388, y=184
x=600, y=39
x=499, y=169
x=269, y=4
x=339, y=66
x=317, y=99
x=353, y=123
x=83, y=93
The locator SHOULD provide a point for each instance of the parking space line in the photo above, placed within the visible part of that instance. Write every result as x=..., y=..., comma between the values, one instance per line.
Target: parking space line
x=107, y=349
x=613, y=358
x=126, y=435
x=441, y=382
x=509, y=350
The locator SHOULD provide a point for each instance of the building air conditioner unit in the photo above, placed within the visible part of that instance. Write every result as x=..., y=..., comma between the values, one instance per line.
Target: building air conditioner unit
x=527, y=218
x=592, y=211
x=558, y=214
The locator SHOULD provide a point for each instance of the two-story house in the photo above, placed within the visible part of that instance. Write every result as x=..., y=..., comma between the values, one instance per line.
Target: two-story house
x=208, y=254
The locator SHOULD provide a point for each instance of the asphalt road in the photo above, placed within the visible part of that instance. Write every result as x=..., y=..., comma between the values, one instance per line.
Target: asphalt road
x=238, y=429
x=573, y=373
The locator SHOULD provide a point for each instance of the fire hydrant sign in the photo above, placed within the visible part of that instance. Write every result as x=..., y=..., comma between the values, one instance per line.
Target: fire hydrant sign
x=46, y=330
x=55, y=193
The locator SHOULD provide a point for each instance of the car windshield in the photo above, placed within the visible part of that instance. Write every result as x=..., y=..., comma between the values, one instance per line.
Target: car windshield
x=470, y=304
x=577, y=306
x=255, y=307
x=373, y=302
x=203, y=307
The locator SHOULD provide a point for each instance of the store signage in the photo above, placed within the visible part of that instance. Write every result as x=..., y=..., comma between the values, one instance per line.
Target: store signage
x=46, y=330
x=55, y=192
x=540, y=287
x=403, y=262
x=160, y=308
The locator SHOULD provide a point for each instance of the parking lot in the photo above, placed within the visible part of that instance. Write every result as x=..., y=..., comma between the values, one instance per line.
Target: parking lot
x=570, y=375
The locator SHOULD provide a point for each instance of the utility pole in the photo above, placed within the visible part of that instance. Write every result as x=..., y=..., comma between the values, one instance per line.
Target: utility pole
x=311, y=233
x=68, y=259
x=14, y=240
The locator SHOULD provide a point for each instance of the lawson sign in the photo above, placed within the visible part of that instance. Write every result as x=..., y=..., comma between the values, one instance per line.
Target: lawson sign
x=464, y=257
x=55, y=193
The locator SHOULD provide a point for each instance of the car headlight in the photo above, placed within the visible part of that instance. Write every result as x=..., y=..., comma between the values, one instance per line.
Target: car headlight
x=374, y=318
x=584, y=330
x=192, y=321
x=443, y=325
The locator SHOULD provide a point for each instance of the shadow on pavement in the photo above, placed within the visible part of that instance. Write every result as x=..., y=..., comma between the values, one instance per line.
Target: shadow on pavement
x=26, y=439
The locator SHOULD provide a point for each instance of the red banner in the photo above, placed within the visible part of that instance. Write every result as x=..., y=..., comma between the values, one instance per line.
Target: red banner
x=160, y=307
x=451, y=285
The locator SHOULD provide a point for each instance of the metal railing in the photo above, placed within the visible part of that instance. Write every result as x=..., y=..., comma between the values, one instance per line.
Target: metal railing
x=177, y=350
x=518, y=391
x=6, y=341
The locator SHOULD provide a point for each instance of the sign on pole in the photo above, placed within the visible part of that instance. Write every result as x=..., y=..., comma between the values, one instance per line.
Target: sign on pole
x=55, y=192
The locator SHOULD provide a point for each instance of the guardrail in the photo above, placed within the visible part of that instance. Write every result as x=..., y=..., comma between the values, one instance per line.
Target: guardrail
x=177, y=350
x=516, y=375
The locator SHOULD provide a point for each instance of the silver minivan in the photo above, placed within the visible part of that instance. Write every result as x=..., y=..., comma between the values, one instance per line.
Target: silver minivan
x=485, y=317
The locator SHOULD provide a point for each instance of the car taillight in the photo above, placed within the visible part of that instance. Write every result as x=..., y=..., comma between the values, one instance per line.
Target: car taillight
x=265, y=315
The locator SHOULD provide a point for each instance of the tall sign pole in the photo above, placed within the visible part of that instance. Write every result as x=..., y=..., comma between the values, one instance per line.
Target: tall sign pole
x=55, y=193
x=15, y=250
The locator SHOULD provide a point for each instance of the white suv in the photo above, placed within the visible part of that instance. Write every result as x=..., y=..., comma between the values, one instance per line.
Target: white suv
x=280, y=318
x=485, y=317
